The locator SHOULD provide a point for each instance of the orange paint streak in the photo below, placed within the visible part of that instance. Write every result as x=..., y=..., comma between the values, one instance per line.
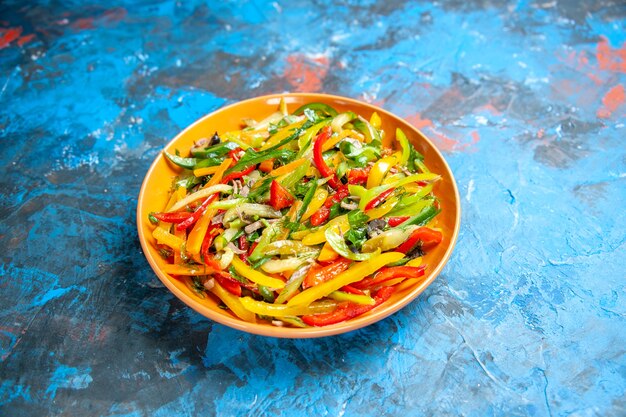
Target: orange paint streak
x=610, y=59
x=306, y=74
x=540, y=133
x=475, y=137
x=417, y=121
x=611, y=101
x=9, y=35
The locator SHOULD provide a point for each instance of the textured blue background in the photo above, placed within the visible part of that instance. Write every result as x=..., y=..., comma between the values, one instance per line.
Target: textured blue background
x=525, y=98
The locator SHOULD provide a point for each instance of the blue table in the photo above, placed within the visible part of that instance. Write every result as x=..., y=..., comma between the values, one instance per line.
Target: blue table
x=526, y=99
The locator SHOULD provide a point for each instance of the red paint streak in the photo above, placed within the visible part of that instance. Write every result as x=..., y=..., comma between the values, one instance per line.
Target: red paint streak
x=540, y=133
x=444, y=142
x=417, y=121
x=83, y=23
x=489, y=107
x=9, y=35
x=306, y=74
x=115, y=15
x=611, y=101
x=475, y=137
x=610, y=59
x=25, y=39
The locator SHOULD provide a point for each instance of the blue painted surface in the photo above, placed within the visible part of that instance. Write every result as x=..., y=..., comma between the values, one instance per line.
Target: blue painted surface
x=525, y=98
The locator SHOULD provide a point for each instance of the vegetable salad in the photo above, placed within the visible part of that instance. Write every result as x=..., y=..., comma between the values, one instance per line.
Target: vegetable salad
x=307, y=218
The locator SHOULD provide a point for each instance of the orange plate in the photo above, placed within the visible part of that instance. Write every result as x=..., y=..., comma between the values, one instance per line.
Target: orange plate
x=156, y=185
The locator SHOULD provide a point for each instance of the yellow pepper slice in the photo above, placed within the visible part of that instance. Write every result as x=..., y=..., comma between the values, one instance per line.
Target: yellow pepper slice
x=256, y=276
x=318, y=200
x=317, y=237
x=353, y=274
x=284, y=133
x=380, y=211
x=282, y=310
x=327, y=253
x=219, y=174
x=375, y=120
x=353, y=298
x=379, y=170
x=201, y=172
x=286, y=169
x=164, y=237
x=415, y=262
x=185, y=270
x=233, y=303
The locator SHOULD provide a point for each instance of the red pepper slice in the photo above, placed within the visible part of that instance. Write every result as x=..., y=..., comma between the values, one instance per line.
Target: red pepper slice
x=229, y=284
x=237, y=175
x=424, y=236
x=318, y=159
x=243, y=245
x=320, y=216
x=317, y=275
x=347, y=311
x=351, y=290
x=280, y=197
x=396, y=221
x=211, y=232
x=381, y=197
x=173, y=217
x=196, y=214
x=358, y=176
x=385, y=274
x=233, y=154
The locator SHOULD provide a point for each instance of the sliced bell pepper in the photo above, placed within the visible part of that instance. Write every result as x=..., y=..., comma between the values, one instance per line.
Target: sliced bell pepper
x=280, y=310
x=219, y=174
x=267, y=165
x=347, y=311
x=316, y=203
x=327, y=253
x=245, y=246
x=317, y=275
x=237, y=175
x=195, y=216
x=229, y=284
x=318, y=158
x=164, y=237
x=377, y=200
x=358, y=176
x=172, y=217
x=285, y=169
x=353, y=298
x=318, y=236
x=283, y=134
x=396, y=221
x=197, y=234
x=424, y=236
x=233, y=303
x=280, y=197
x=379, y=170
x=405, y=145
x=389, y=273
x=201, y=172
x=213, y=230
x=375, y=120
x=355, y=273
x=322, y=214
x=256, y=276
